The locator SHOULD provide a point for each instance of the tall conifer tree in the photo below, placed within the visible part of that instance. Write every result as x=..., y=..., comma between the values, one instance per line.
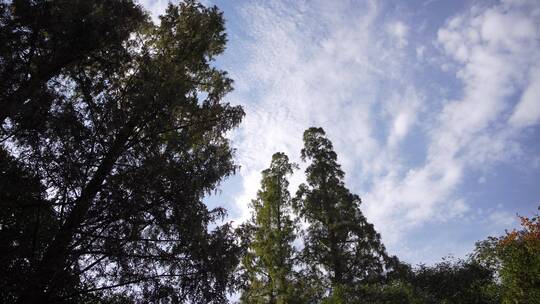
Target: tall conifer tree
x=269, y=259
x=340, y=245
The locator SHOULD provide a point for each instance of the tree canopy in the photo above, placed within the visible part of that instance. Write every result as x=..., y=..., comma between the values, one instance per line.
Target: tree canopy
x=129, y=139
x=44, y=40
x=515, y=257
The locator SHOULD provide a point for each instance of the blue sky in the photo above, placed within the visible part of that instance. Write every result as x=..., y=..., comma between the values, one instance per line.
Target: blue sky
x=433, y=108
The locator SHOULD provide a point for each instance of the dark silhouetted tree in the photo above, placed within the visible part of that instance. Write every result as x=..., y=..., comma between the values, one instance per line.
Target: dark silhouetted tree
x=461, y=281
x=27, y=224
x=129, y=140
x=43, y=40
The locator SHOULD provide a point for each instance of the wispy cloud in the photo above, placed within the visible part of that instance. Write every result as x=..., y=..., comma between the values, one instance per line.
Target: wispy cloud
x=316, y=66
x=359, y=72
x=494, y=52
x=399, y=31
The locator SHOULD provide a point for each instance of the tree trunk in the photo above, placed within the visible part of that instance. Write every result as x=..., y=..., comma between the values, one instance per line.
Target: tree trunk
x=49, y=271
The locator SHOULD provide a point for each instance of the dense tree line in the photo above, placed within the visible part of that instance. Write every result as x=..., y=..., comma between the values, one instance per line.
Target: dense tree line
x=112, y=131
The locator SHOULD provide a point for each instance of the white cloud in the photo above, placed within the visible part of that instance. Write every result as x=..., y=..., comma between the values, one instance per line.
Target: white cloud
x=402, y=109
x=325, y=64
x=527, y=112
x=494, y=66
x=494, y=50
x=296, y=77
x=399, y=31
x=507, y=30
x=304, y=82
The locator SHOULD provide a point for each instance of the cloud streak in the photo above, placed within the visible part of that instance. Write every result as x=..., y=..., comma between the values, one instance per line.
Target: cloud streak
x=318, y=67
x=359, y=72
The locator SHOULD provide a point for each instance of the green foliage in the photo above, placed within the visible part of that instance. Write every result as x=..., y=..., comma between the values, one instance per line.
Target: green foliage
x=394, y=292
x=341, y=248
x=455, y=282
x=516, y=258
x=269, y=260
x=130, y=137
